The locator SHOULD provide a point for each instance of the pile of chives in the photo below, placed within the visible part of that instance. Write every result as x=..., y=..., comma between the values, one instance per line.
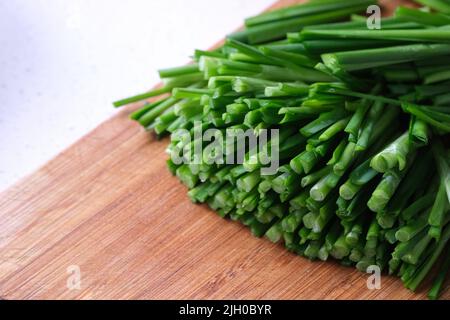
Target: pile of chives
x=363, y=118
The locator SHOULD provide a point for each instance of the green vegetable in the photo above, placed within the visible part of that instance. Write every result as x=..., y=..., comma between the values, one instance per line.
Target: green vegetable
x=363, y=123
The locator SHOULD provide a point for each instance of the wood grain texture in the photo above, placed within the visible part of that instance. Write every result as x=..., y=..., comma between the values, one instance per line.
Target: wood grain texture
x=109, y=205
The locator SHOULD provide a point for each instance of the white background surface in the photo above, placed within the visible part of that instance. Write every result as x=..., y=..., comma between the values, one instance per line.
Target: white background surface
x=62, y=63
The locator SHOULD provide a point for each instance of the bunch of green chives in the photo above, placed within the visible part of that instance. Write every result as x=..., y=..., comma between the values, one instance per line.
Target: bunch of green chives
x=363, y=118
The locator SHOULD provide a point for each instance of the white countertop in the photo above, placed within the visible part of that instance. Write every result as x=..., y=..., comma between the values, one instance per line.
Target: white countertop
x=63, y=62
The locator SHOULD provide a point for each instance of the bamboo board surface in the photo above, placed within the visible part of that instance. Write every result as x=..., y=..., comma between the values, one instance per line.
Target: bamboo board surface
x=108, y=206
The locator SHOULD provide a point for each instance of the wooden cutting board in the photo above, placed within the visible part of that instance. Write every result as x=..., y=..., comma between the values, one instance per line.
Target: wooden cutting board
x=108, y=208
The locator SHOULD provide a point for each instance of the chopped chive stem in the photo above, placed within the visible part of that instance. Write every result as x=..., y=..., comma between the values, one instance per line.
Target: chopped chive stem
x=143, y=96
